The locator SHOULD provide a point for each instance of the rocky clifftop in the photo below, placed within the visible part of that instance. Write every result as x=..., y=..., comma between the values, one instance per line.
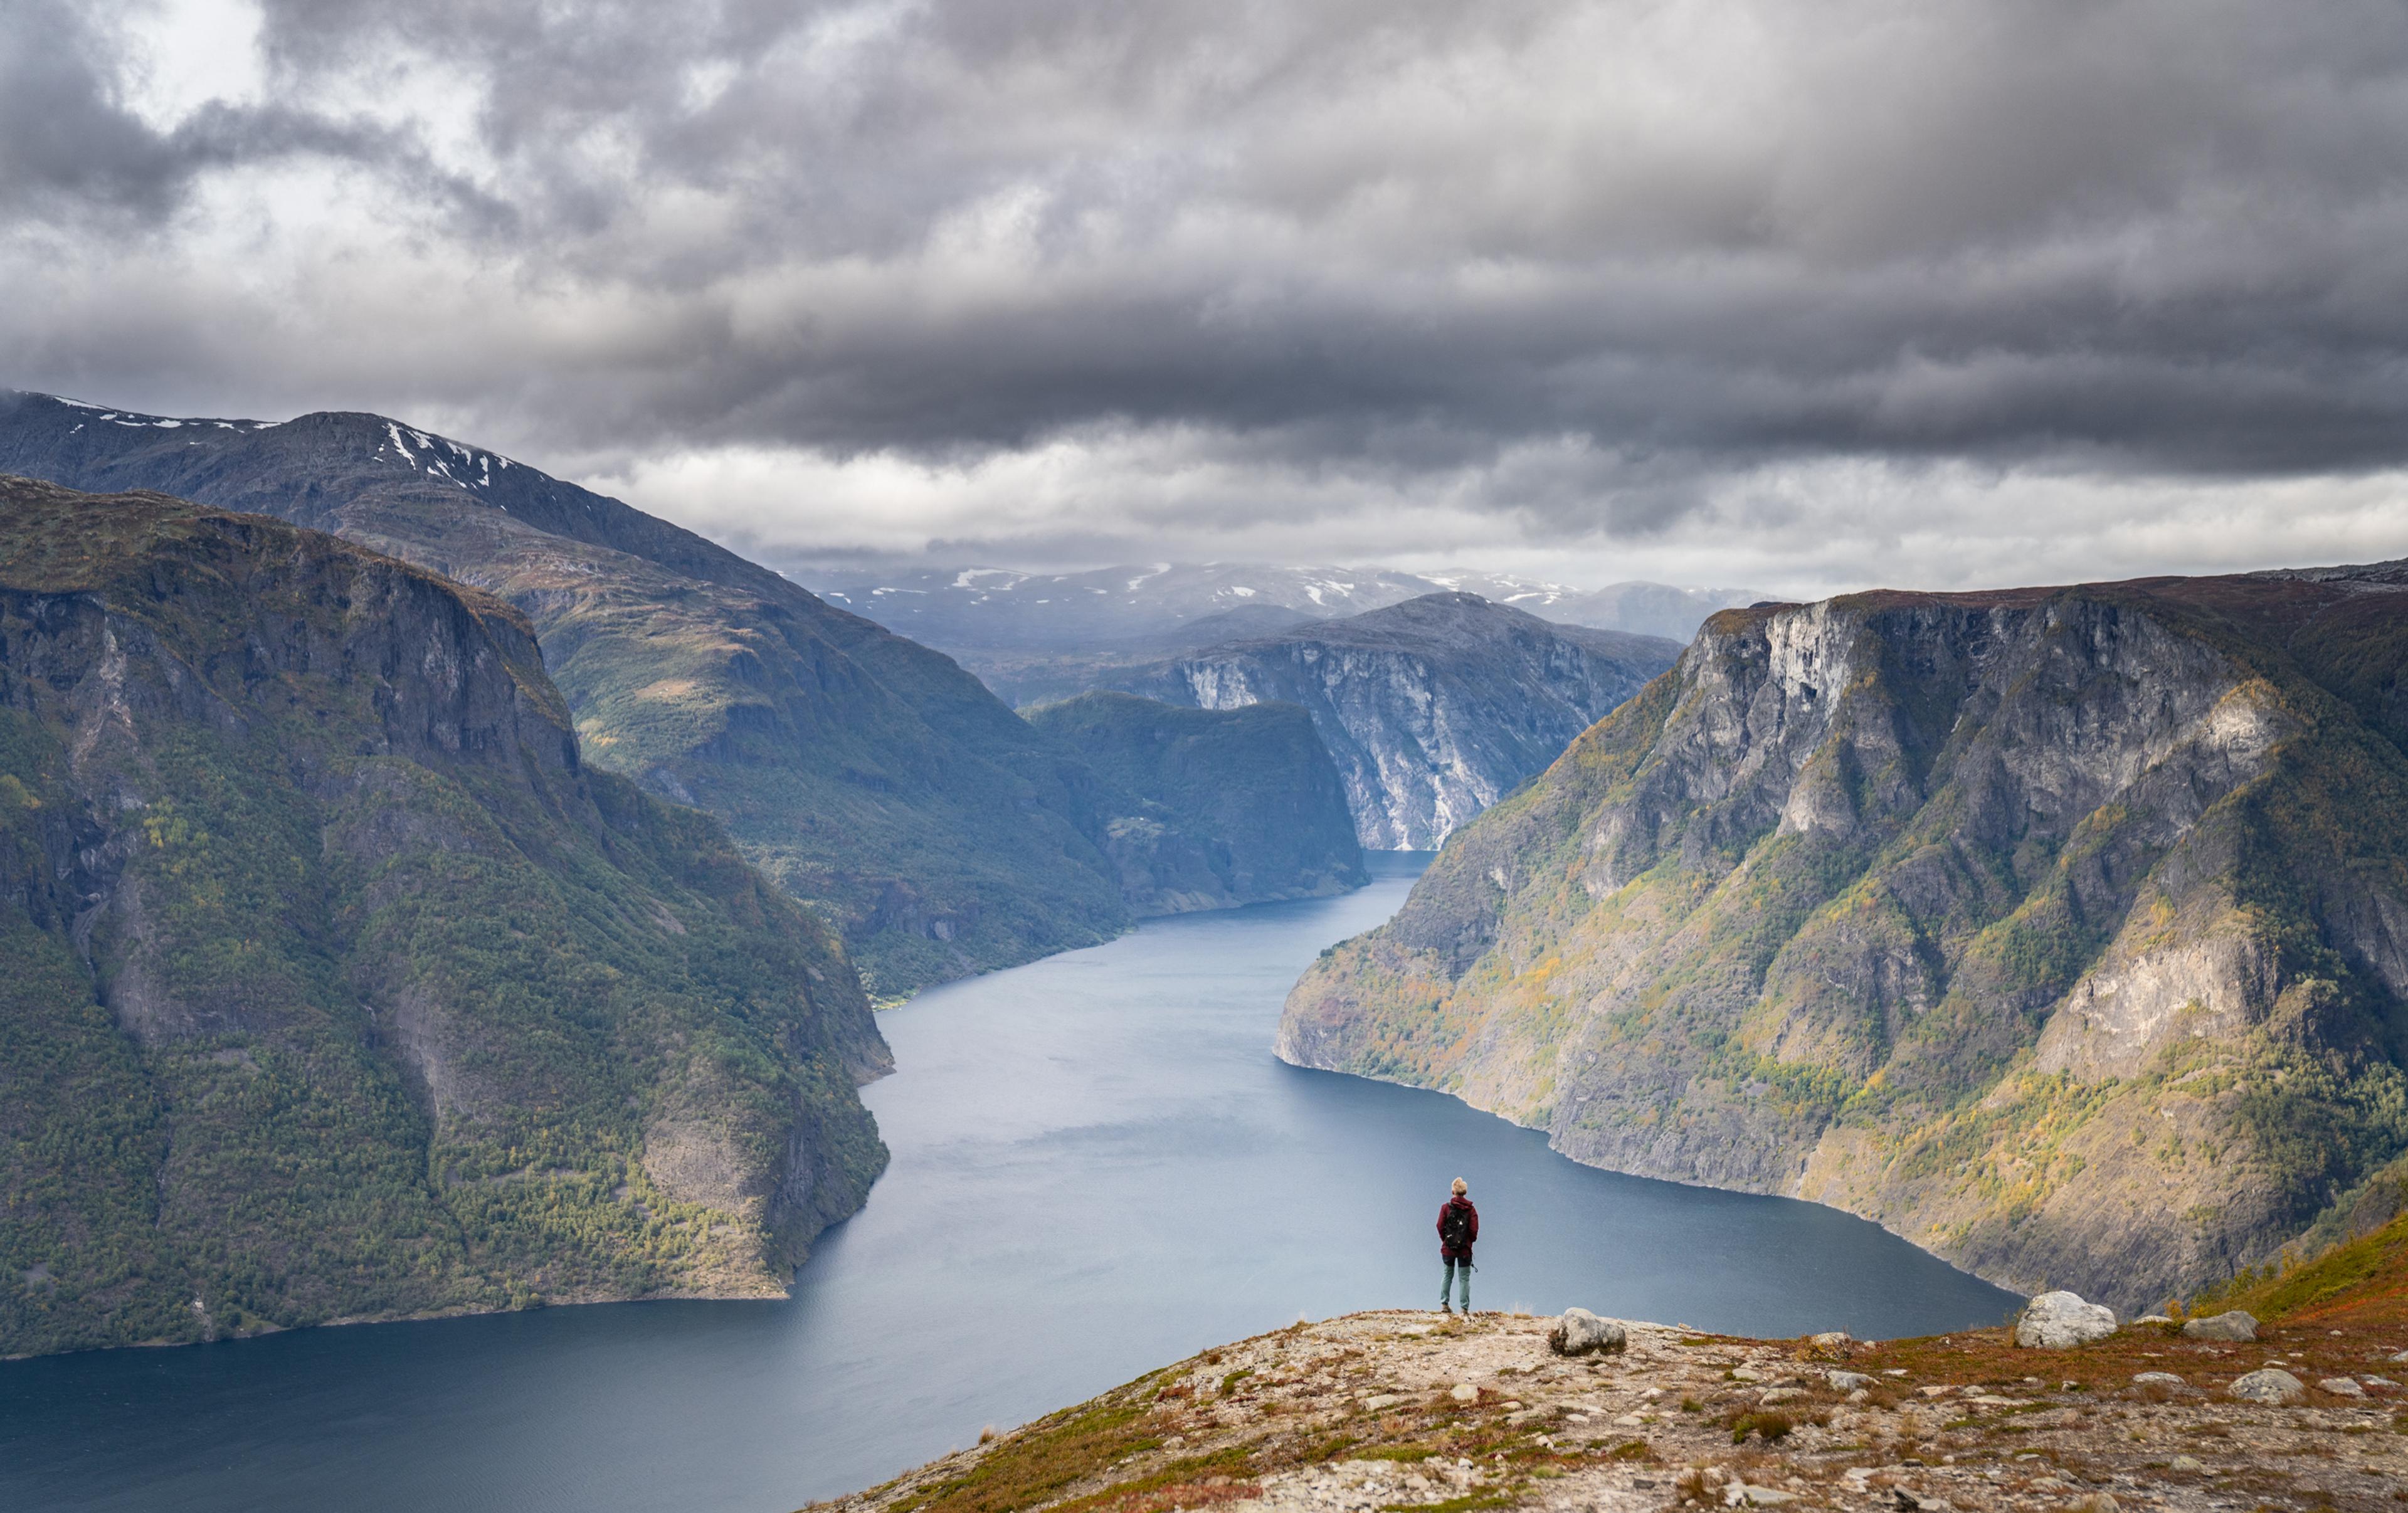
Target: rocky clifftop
x=1432, y=709
x=1399, y=1411
x=2063, y=932
x=1211, y=809
x=339, y=986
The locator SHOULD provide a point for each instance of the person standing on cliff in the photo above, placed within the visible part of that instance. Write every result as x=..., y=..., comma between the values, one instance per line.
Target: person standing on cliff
x=1458, y=1225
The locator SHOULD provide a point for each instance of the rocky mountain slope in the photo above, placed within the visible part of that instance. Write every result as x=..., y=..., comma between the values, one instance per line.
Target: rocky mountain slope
x=1211, y=809
x=2061, y=930
x=339, y=987
x=1399, y=1411
x=868, y=774
x=1433, y=708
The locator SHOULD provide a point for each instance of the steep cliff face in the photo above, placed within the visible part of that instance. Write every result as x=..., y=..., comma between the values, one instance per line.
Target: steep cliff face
x=339, y=987
x=868, y=776
x=2064, y=932
x=1433, y=708
x=1211, y=809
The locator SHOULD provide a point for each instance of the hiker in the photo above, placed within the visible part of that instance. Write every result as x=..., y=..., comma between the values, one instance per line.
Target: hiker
x=1458, y=1225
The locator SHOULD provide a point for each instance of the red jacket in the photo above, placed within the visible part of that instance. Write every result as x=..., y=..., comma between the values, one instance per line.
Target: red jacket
x=1471, y=1225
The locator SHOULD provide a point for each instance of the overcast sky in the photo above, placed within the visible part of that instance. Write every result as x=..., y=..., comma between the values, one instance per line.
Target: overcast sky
x=1803, y=295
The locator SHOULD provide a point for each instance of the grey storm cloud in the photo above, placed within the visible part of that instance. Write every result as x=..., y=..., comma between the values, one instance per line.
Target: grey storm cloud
x=1404, y=238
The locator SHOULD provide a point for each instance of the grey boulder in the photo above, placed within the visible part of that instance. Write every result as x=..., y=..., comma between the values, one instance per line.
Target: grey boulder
x=2270, y=1385
x=1580, y=1332
x=2235, y=1325
x=2061, y=1321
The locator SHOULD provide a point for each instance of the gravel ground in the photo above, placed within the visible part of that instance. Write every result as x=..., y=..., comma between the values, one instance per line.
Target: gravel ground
x=1403, y=1411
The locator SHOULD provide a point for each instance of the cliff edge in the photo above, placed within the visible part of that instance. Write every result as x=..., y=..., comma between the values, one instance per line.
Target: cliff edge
x=2063, y=932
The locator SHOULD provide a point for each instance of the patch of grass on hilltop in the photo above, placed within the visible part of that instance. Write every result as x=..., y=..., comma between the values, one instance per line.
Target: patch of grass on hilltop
x=2364, y=1281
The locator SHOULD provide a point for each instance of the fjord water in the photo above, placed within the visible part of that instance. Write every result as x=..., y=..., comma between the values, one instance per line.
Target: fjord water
x=1098, y=1169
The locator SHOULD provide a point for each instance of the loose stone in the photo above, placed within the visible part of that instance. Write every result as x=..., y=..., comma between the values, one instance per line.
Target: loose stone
x=2061, y=1321
x=2235, y=1325
x=2268, y=1385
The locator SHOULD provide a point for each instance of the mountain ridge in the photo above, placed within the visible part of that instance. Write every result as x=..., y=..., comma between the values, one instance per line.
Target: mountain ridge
x=341, y=987
x=975, y=612
x=2026, y=922
x=870, y=777
x=1432, y=709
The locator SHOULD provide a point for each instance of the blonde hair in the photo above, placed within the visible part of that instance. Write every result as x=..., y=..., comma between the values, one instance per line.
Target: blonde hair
x=1462, y=1186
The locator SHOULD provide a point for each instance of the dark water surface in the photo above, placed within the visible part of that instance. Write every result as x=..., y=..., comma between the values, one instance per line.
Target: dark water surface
x=1099, y=1169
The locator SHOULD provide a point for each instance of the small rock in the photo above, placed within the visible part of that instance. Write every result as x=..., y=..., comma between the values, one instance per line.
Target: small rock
x=1512, y=1404
x=1740, y=1494
x=1383, y=1400
x=1935, y=1392
x=2158, y=1319
x=2270, y=1385
x=1781, y=1394
x=2340, y=1387
x=1859, y=1395
x=2094, y=1503
x=2157, y=1379
x=1847, y=1382
x=1580, y=1332
x=1630, y=1421
x=1176, y=1442
x=1832, y=1339
x=2191, y=1463
x=2061, y=1321
x=2235, y=1325
x=1895, y=1371
x=1465, y=1393
x=1746, y=1374
x=2380, y=1384
x=2399, y=1360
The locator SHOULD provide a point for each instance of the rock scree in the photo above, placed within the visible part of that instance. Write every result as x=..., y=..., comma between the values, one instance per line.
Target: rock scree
x=1406, y=1412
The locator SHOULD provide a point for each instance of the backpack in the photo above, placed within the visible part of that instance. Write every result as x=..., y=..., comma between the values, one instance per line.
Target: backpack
x=1457, y=1233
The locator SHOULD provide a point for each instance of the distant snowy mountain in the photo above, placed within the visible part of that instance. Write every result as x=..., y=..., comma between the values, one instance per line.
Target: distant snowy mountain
x=991, y=608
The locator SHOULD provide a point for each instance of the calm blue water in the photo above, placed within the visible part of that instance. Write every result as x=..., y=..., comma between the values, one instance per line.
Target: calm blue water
x=1098, y=1169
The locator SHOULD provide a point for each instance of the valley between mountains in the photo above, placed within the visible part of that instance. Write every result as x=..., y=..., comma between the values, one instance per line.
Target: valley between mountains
x=483, y=903
x=868, y=776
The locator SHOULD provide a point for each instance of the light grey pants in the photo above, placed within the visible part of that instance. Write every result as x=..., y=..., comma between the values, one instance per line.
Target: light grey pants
x=1458, y=1275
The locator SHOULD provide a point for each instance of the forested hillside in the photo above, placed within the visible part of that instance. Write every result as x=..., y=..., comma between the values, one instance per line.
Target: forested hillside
x=868, y=774
x=2063, y=931
x=339, y=987
x=1210, y=807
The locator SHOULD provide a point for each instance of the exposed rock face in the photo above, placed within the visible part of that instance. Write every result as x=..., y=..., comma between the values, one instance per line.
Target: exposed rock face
x=2063, y=932
x=1433, y=709
x=2061, y=1321
x=1211, y=809
x=865, y=774
x=339, y=987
